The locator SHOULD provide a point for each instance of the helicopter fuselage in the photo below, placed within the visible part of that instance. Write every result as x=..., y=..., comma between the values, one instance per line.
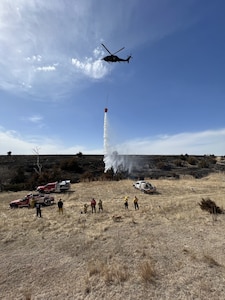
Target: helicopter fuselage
x=115, y=58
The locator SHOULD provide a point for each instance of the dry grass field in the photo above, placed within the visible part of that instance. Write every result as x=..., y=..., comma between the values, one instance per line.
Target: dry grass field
x=168, y=249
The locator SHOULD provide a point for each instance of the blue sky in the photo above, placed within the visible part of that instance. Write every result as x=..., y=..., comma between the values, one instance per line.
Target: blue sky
x=54, y=86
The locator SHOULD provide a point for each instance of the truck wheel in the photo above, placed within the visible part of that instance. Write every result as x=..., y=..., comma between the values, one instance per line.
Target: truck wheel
x=47, y=202
x=14, y=206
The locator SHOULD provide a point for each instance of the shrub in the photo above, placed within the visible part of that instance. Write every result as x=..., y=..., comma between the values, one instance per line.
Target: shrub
x=95, y=267
x=87, y=176
x=147, y=272
x=163, y=166
x=184, y=157
x=203, y=164
x=14, y=187
x=210, y=206
x=79, y=154
x=115, y=274
x=179, y=163
x=192, y=160
x=71, y=165
x=211, y=159
x=19, y=177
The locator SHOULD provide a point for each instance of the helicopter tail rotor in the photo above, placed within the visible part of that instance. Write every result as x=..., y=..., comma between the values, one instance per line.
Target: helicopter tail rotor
x=128, y=59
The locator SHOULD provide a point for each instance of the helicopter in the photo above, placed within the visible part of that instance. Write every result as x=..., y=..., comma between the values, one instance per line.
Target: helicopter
x=113, y=57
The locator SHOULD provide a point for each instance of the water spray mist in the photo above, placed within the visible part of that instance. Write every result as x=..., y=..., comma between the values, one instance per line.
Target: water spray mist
x=112, y=159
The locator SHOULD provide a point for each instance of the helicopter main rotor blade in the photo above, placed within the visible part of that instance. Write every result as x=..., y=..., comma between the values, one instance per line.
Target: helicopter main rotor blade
x=106, y=49
x=118, y=50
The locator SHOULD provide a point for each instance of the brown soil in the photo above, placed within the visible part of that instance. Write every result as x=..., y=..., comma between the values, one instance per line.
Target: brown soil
x=168, y=249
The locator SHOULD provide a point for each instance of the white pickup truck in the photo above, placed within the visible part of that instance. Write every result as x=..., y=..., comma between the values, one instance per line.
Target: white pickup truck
x=145, y=187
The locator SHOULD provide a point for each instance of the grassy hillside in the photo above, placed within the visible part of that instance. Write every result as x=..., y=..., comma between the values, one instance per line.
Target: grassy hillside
x=19, y=172
x=168, y=249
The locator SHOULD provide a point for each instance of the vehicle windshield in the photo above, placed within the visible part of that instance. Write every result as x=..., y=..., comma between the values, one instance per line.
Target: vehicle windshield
x=148, y=185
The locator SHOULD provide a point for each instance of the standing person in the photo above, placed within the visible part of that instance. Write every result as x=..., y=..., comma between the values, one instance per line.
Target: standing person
x=126, y=202
x=85, y=208
x=32, y=202
x=100, y=206
x=136, y=206
x=60, y=206
x=38, y=210
x=93, y=205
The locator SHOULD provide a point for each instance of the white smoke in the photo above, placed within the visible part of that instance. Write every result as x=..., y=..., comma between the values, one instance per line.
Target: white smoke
x=113, y=160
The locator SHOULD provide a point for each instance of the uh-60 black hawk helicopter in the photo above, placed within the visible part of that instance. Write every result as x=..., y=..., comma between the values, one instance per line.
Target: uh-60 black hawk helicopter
x=113, y=57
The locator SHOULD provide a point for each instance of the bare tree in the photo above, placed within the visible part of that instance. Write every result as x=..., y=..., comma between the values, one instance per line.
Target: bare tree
x=39, y=165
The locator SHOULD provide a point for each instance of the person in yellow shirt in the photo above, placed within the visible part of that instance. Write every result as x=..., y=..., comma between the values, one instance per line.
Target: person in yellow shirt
x=85, y=208
x=100, y=206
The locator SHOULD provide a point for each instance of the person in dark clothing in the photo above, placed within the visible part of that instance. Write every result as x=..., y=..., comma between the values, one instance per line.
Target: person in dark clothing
x=93, y=205
x=38, y=210
x=126, y=202
x=136, y=206
x=60, y=206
